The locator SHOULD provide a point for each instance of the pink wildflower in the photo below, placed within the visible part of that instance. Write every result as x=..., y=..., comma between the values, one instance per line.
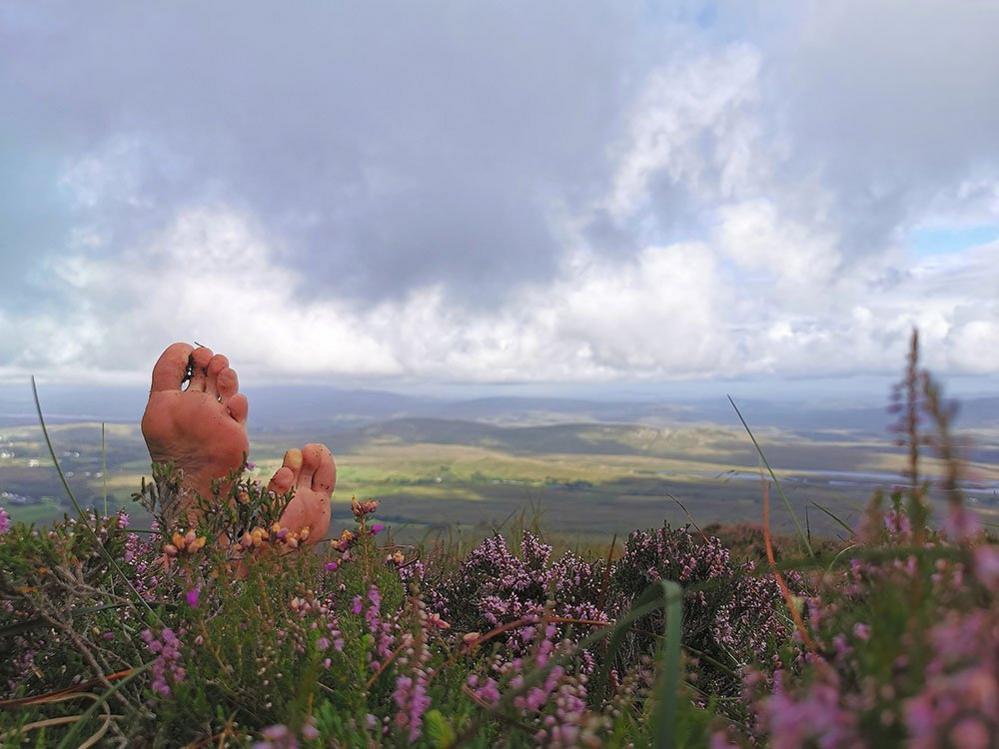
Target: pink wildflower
x=987, y=566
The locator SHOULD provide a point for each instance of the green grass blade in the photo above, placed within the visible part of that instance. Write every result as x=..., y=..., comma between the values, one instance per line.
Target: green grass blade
x=835, y=517
x=663, y=595
x=780, y=489
x=67, y=740
x=643, y=605
x=84, y=519
x=668, y=687
x=104, y=468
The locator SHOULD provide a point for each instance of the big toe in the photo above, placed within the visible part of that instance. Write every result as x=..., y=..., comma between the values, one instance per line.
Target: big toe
x=312, y=458
x=282, y=481
x=324, y=476
x=170, y=369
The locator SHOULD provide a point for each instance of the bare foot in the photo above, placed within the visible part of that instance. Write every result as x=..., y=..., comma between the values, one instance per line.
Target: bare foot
x=311, y=471
x=201, y=429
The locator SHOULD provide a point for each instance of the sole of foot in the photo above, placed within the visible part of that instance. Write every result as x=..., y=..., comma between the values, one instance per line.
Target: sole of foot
x=201, y=428
x=311, y=472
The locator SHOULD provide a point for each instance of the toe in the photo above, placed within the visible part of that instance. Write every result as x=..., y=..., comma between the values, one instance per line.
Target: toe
x=238, y=407
x=324, y=479
x=312, y=457
x=293, y=461
x=227, y=383
x=199, y=363
x=170, y=368
x=216, y=364
x=282, y=480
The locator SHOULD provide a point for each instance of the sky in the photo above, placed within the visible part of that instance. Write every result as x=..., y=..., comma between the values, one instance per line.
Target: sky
x=518, y=194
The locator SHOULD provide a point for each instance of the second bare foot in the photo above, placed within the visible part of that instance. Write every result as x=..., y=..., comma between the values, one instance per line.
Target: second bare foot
x=311, y=472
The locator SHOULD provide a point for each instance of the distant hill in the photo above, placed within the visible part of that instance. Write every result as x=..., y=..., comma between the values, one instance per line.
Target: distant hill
x=297, y=407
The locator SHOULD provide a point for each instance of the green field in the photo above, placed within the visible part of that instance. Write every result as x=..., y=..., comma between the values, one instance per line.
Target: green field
x=587, y=480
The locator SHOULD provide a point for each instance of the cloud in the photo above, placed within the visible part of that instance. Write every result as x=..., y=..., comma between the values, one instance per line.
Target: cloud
x=389, y=145
x=490, y=193
x=667, y=313
x=693, y=125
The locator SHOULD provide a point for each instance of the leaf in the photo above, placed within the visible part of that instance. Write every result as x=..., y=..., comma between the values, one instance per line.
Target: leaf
x=438, y=730
x=668, y=686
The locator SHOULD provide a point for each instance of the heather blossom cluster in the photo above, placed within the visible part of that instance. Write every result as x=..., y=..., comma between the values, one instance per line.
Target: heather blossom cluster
x=141, y=554
x=495, y=586
x=411, y=685
x=166, y=669
x=381, y=629
x=959, y=704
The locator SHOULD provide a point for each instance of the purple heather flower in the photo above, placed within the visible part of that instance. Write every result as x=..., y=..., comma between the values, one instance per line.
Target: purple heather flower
x=987, y=566
x=961, y=525
x=411, y=697
x=309, y=731
x=166, y=669
x=331, y=566
x=4, y=521
x=250, y=465
x=816, y=716
x=193, y=596
x=277, y=737
x=487, y=690
x=377, y=528
x=961, y=685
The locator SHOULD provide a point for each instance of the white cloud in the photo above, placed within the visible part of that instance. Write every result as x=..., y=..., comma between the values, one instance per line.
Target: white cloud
x=675, y=202
x=669, y=312
x=694, y=124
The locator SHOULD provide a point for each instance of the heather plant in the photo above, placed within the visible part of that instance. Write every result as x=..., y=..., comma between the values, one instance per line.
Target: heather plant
x=221, y=628
x=494, y=586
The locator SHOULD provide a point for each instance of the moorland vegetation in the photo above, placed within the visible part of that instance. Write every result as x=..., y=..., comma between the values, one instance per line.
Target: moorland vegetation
x=235, y=632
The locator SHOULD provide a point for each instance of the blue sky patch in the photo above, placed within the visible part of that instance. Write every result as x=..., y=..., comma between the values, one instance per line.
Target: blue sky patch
x=938, y=240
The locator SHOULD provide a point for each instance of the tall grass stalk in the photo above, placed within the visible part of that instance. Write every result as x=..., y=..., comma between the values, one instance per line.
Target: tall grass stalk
x=780, y=490
x=84, y=518
x=104, y=468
